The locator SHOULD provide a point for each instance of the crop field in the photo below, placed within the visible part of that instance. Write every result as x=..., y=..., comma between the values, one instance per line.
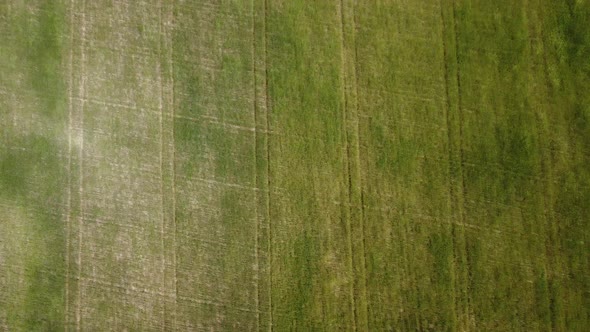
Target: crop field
x=291, y=165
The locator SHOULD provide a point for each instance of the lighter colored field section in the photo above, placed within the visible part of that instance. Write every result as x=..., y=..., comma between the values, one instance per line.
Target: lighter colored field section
x=215, y=173
x=117, y=270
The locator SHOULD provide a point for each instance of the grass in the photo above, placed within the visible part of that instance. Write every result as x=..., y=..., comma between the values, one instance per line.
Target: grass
x=292, y=165
x=32, y=177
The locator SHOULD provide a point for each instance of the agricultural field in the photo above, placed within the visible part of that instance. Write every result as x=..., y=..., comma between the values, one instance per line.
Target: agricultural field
x=291, y=165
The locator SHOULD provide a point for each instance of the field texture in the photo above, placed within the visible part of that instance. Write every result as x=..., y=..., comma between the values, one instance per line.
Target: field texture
x=290, y=165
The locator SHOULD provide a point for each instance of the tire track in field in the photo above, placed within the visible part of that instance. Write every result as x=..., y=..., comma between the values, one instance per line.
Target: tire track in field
x=69, y=165
x=452, y=193
x=173, y=166
x=81, y=160
x=462, y=157
x=347, y=177
x=545, y=166
x=268, y=174
x=162, y=191
x=550, y=194
x=167, y=159
x=359, y=161
x=255, y=111
x=161, y=144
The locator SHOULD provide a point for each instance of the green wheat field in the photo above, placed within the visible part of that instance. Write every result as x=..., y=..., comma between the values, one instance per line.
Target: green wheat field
x=295, y=165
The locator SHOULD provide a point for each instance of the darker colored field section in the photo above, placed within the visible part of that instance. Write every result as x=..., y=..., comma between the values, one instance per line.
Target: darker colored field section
x=520, y=146
x=33, y=181
x=403, y=136
x=311, y=285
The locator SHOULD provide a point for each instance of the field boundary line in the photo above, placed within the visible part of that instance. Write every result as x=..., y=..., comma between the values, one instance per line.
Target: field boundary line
x=557, y=322
x=461, y=167
x=360, y=162
x=69, y=167
x=453, y=200
x=268, y=173
x=347, y=177
x=553, y=229
x=81, y=162
x=161, y=120
x=173, y=114
x=256, y=209
x=546, y=168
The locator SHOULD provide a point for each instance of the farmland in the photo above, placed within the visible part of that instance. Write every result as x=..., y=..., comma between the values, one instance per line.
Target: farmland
x=294, y=165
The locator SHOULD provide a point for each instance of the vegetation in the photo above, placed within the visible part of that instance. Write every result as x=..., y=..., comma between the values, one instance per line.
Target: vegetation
x=295, y=165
